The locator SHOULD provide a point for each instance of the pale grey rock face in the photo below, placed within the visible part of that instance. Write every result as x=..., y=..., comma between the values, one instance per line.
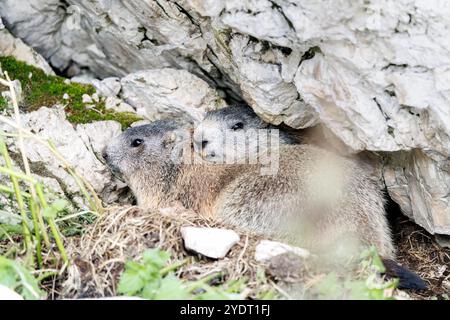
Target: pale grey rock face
x=420, y=183
x=11, y=46
x=375, y=74
x=109, y=87
x=169, y=93
x=160, y=93
x=112, y=38
x=118, y=105
x=80, y=146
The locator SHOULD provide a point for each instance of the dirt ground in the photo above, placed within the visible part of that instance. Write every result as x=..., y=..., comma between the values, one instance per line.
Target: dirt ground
x=416, y=250
x=104, y=250
x=419, y=251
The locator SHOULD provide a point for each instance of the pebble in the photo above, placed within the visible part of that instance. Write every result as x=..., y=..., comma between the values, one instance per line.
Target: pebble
x=210, y=242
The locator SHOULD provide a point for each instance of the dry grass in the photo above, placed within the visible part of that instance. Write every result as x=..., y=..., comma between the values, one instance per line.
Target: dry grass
x=419, y=251
x=124, y=233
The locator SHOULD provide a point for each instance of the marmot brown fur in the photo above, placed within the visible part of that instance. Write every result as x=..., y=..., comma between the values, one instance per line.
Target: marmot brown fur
x=316, y=199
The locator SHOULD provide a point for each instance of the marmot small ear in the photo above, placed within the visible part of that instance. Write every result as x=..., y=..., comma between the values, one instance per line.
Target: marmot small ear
x=169, y=138
x=174, y=137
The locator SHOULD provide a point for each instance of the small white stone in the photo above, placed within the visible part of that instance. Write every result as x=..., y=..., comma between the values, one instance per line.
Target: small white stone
x=86, y=98
x=210, y=242
x=8, y=294
x=67, y=81
x=112, y=102
x=118, y=105
x=66, y=96
x=266, y=249
x=96, y=97
x=108, y=87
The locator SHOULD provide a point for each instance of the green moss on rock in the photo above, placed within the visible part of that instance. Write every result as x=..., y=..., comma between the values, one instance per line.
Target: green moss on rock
x=40, y=89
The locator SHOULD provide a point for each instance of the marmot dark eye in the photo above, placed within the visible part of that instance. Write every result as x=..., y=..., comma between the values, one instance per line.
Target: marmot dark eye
x=237, y=126
x=136, y=143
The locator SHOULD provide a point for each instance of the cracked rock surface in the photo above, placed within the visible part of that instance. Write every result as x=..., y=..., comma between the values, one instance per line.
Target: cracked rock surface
x=81, y=146
x=12, y=46
x=375, y=74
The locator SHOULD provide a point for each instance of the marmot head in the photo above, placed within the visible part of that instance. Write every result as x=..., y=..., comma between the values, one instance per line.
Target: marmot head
x=147, y=147
x=228, y=134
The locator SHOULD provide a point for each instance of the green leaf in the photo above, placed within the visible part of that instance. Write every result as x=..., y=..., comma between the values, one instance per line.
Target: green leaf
x=216, y=294
x=358, y=290
x=17, y=278
x=156, y=257
x=150, y=289
x=147, y=279
x=7, y=277
x=171, y=288
x=131, y=282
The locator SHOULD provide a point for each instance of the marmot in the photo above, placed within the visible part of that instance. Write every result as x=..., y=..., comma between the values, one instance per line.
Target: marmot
x=240, y=116
x=317, y=200
x=321, y=195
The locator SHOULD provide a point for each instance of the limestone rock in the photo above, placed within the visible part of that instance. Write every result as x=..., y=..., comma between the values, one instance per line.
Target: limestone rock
x=117, y=105
x=169, y=93
x=109, y=87
x=443, y=240
x=9, y=213
x=210, y=242
x=80, y=146
x=75, y=32
x=140, y=123
x=419, y=182
x=11, y=46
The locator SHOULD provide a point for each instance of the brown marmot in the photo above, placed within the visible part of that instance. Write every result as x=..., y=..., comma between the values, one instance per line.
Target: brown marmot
x=241, y=116
x=316, y=199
